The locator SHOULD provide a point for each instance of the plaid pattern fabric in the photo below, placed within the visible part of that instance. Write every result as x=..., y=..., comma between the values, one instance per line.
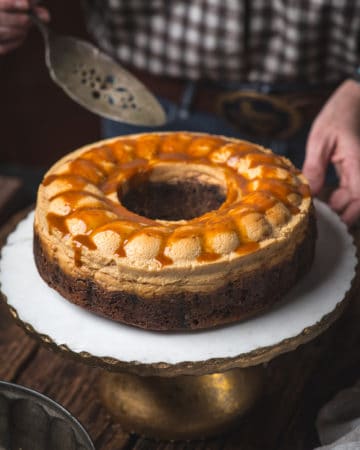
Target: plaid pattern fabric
x=233, y=40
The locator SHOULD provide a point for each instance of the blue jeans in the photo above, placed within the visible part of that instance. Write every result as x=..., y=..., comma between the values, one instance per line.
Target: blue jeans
x=180, y=120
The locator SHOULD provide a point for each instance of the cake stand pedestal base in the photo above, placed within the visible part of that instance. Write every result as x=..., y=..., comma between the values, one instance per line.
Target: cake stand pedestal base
x=182, y=407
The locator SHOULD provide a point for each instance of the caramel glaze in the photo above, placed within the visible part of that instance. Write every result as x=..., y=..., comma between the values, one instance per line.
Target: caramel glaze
x=112, y=166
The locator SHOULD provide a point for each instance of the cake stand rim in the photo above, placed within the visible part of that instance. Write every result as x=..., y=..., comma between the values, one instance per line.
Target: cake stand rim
x=213, y=365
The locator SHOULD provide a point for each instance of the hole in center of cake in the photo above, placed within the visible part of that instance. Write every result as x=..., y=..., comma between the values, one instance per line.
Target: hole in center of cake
x=171, y=198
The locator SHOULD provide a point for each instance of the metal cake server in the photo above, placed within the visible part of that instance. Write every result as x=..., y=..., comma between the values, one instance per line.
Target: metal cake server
x=96, y=81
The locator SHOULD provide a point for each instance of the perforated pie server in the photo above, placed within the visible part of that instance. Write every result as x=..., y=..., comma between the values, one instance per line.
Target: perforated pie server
x=96, y=81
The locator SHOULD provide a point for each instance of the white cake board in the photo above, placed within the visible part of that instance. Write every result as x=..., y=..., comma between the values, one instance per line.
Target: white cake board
x=314, y=297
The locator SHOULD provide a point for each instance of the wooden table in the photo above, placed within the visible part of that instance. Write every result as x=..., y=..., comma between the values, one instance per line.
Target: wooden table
x=298, y=383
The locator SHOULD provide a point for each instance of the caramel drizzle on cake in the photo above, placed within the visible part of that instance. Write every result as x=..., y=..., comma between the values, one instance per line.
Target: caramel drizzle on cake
x=263, y=191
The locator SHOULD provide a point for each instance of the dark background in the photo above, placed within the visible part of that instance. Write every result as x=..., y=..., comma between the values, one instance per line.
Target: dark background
x=38, y=122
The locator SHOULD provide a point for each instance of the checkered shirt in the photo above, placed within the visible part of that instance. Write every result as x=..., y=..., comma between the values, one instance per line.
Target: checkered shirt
x=233, y=40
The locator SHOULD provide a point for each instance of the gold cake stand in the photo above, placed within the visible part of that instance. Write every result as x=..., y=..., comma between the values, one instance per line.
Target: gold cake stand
x=186, y=399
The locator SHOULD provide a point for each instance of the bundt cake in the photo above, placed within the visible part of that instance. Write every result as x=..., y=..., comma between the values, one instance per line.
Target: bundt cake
x=173, y=231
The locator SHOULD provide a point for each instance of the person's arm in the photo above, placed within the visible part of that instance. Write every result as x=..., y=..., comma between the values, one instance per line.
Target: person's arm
x=335, y=137
x=15, y=23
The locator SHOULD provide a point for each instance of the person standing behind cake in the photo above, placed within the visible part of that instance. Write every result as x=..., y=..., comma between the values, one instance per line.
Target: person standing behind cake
x=280, y=72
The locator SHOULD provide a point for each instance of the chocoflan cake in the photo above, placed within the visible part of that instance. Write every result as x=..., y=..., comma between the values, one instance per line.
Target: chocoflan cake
x=173, y=231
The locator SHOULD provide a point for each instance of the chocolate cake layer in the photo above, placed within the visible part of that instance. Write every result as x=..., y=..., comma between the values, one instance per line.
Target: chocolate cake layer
x=179, y=200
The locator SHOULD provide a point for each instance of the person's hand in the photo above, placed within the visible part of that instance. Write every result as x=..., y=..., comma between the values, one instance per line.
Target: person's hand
x=335, y=137
x=15, y=22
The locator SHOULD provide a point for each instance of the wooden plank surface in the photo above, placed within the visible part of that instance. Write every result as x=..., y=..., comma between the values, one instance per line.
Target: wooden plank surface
x=11, y=197
x=297, y=385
